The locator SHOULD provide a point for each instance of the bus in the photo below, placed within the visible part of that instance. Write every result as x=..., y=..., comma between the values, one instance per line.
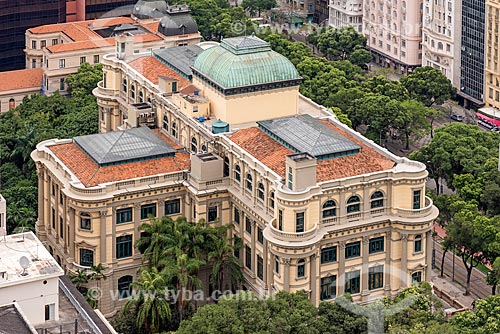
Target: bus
x=489, y=118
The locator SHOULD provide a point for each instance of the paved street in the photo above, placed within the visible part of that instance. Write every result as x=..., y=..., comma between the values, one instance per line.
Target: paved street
x=479, y=288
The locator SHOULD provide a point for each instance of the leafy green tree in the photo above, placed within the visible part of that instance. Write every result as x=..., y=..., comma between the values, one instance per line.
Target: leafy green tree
x=84, y=80
x=256, y=6
x=340, y=43
x=412, y=122
x=485, y=319
x=150, y=304
x=360, y=57
x=428, y=85
x=493, y=276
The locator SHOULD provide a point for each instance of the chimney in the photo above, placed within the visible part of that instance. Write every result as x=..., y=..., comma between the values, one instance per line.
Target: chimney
x=300, y=171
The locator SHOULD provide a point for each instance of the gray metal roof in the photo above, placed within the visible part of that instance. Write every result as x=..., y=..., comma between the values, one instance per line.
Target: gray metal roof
x=303, y=133
x=177, y=22
x=119, y=147
x=245, y=44
x=145, y=9
x=179, y=58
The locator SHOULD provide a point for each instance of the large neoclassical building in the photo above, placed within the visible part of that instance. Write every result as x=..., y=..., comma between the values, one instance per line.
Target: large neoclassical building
x=220, y=132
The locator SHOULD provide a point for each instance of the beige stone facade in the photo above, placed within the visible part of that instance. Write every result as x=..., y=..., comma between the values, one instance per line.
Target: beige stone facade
x=357, y=223
x=394, y=32
x=492, y=57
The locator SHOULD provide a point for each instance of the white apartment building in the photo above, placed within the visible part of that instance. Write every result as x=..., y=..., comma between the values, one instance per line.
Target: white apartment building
x=344, y=13
x=29, y=276
x=393, y=29
x=441, y=37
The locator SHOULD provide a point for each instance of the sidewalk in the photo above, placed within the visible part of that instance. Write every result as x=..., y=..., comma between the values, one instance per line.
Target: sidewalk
x=452, y=293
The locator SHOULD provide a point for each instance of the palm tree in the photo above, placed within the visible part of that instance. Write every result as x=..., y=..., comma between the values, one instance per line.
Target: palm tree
x=181, y=272
x=222, y=257
x=155, y=237
x=151, y=306
x=24, y=220
x=97, y=274
x=79, y=280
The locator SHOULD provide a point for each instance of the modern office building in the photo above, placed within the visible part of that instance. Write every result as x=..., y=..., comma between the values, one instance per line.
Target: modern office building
x=321, y=12
x=317, y=206
x=344, y=13
x=394, y=32
x=441, y=37
x=17, y=16
x=472, y=52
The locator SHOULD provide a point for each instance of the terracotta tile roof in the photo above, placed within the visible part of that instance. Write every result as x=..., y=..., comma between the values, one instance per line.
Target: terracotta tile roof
x=263, y=148
x=143, y=38
x=172, y=143
x=189, y=90
x=81, y=45
x=29, y=78
x=152, y=26
x=273, y=155
x=79, y=27
x=152, y=68
x=90, y=174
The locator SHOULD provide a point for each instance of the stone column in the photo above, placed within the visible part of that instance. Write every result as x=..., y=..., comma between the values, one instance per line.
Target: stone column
x=113, y=233
x=388, y=264
x=102, y=245
x=365, y=270
x=404, y=261
x=270, y=270
x=313, y=279
x=265, y=266
x=137, y=217
x=161, y=208
x=341, y=273
x=41, y=200
x=286, y=274
x=71, y=234
x=254, y=238
x=428, y=255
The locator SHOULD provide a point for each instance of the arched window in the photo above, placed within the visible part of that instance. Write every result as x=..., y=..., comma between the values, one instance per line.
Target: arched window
x=260, y=191
x=418, y=243
x=132, y=91
x=329, y=209
x=301, y=268
x=174, y=129
x=203, y=148
x=271, y=199
x=124, y=286
x=165, y=122
x=85, y=221
x=124, y=85
x=237, y=173
x=12, y=104
x=141, y=96
x=377, y=200
x=249, y=182
x=353, y=204
x=194, y=145
x=226, y=167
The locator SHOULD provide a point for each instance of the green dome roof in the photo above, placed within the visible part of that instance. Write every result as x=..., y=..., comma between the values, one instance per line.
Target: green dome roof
x=244, y=61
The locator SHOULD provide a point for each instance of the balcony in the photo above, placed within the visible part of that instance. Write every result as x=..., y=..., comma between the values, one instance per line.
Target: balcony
x=416, y=212
x=293, y=236
x=104, y=92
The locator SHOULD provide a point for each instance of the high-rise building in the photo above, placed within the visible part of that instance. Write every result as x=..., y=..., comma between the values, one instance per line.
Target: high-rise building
x=345, y=13
x=472, y=51
x=441, y=37
x=492, y=90
x=321, y=11
x=394, y=31
x=17, y=16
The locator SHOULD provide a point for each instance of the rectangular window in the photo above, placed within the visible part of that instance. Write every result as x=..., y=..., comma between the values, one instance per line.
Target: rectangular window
x=83, y=59
x=212, y=214
x=328, y=287
x=376, y=245
x=61, y=198
x=290, y=178
x=148, y=211
x=50, y=312
x=329, y=254
x=43, y=44
x=375, y=277
x=418, y=244
x=237, y=245
x=248, y=225
x=53, y=218
x=85, y=222
x=55, y=41
x=61, y=84
x=280, y=220
x=33, y=63
x=33, y=44
x=124, y=246
x=352, y=250
x=62, y=63
x=416, y=277
x=96, y=59
x=124, y=215
x=260, y=267
x=86, y=257
x=299, y=222
x=416, y=199
x=276, y=265
x=236, y=216
x=248, y=257
x=61, y=227
x=260, y=235
x=173, y=207
x=352, y=282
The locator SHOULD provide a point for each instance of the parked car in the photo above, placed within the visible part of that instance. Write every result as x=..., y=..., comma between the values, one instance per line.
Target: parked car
x=456, y=117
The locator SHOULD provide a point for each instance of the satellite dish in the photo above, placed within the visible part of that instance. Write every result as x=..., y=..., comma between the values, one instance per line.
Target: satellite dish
x=25, y=263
